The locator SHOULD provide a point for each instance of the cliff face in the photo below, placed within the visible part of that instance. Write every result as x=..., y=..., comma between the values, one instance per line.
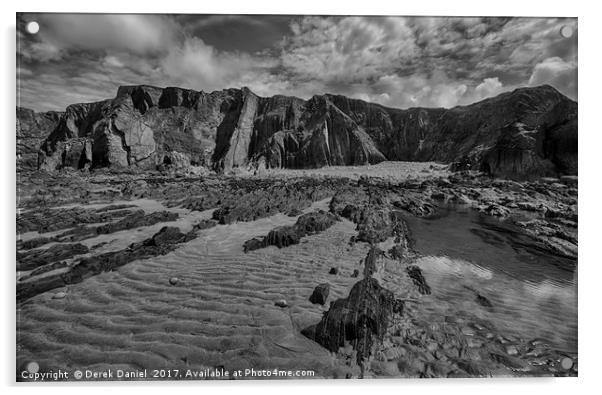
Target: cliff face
x=525, y=133
x=32, y=130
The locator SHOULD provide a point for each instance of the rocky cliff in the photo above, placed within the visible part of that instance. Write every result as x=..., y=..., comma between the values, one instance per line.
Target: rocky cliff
x=520, y=134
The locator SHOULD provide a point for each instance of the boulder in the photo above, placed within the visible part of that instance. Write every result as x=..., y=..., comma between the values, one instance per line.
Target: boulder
x=320, y=294
x=361, y=319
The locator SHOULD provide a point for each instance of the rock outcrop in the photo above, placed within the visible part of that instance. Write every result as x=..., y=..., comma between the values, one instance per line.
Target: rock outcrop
x=529, y=132
x=32, y=130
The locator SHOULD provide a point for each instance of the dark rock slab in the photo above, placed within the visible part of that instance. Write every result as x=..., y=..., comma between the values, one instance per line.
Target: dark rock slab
x=361, y=319
x=284, y=236
x=34, y=258
x=320, y=294
x=418, y=279
x=137, y=219
x=163, y=242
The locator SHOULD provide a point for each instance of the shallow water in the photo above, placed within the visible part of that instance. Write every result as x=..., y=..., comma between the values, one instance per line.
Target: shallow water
x=533, y=293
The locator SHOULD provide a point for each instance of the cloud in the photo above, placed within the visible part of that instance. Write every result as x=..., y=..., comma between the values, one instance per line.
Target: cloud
x=344, y=50
x=201, y=66
x=396, y=61
x=558, y=73
x=489, y=87
x=140, y=34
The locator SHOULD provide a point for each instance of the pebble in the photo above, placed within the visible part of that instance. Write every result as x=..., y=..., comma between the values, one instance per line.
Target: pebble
x=334, y=270
x=173, y=280
x=467, y=331
x=511, y=350
x=281, y=303
x=475, y=343
x=59, y=295
x=566, y=363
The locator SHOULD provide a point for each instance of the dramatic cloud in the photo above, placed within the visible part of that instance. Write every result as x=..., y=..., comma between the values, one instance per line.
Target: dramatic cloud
x=395, y=61
x=489, y=87
x=140, y=34
x=556, y=72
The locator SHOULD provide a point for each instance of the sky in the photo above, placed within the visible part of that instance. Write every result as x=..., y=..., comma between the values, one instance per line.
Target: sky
x=398, y=62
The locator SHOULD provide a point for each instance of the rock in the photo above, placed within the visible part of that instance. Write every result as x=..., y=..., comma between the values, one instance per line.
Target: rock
x=474, y=343
x=168, y=235
x=204, y=224
x=467, y=331
x=334, y=270
x=508, y=361
x=32, y=129
x=472, y=368
x=137, y=219
x=398, y=251
x=281, y=303
x=569, y=180
x=496, y=210
x=418, y=279
x=315, y=222
x=294, y=212
x=483, y=301
x=253, y=244
x=59, y=295
x=566, y=363
x=355, y=273
x=437, y=195
x=511, y=350
x=361, y=319
x=163, y=242
x=320, y=294
x=233, y=129
x=35, y=258
x=284, y=236
x=174, y=281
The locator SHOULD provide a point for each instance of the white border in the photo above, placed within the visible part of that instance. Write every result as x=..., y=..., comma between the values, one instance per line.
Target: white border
x=590, y=157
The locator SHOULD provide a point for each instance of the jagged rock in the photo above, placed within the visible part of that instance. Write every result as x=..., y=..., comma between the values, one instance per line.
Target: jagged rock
x=34, y=258
x=320, y=294
x=32, y=130
x=526, y=133
x=372, y=260
x=34, y=243
x=569, y=180
x=496, y=210
x=315, y=222
x=281, y=303
x=167, y=236
x=361, y=319
x=51, y=219
x=284, y=236
x=253, y=244
x=483, y=301
x=418, y=279
x=163, y=242
x=205, y=224
x=137, y=219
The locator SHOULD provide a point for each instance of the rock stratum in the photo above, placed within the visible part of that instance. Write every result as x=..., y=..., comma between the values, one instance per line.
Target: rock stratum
x=526, y=133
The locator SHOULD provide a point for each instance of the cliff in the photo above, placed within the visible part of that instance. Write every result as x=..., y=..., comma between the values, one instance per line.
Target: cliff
x=520, y=134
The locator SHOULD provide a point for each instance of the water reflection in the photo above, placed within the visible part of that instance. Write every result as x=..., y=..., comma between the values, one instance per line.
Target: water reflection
x=533, y=293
